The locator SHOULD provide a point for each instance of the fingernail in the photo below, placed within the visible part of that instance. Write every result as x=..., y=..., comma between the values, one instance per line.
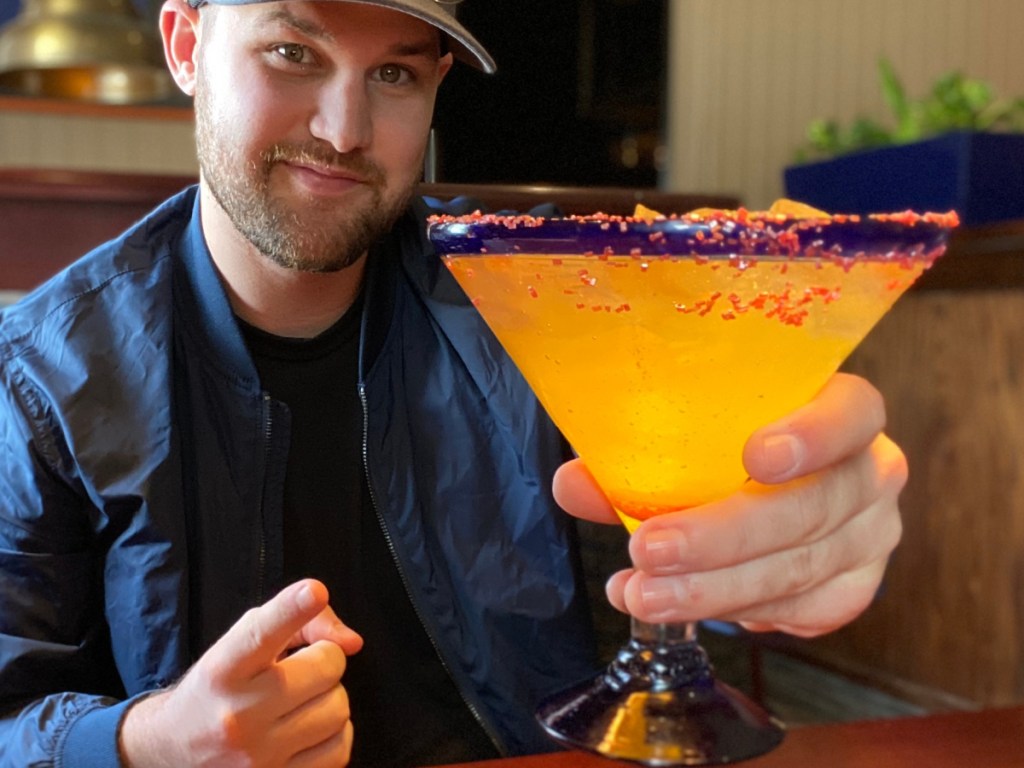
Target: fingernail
x=338, y=633
x=305, y=598
x=348, y=639
x=781, y=454
x=660, y=596
x=664, y=548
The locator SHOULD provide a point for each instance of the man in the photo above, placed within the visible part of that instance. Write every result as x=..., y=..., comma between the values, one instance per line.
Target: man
x=270, y=379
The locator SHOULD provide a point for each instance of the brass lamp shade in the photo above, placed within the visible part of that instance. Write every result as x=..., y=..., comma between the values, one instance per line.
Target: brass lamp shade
x=89, y=50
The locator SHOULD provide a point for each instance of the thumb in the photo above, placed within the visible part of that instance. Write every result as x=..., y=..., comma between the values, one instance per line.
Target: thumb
x=576, y=491
x=257, y=639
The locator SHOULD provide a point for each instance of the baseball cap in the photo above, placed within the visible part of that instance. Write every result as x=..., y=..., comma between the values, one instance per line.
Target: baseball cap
x=438, y=13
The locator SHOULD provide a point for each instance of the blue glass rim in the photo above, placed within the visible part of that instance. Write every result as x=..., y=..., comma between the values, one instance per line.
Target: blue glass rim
x=899, y=236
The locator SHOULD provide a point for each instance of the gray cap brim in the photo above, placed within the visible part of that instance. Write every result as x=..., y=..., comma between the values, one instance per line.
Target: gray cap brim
x=438, y=13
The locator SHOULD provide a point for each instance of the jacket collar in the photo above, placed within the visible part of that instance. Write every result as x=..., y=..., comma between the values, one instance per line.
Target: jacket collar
x=403, y=255
x=208, y=312
x=405, y=250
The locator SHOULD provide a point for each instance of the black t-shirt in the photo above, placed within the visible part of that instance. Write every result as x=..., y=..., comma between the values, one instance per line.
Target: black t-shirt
x=406, y=710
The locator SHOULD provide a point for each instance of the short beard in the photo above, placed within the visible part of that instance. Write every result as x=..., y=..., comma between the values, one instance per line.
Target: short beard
x=311, y=238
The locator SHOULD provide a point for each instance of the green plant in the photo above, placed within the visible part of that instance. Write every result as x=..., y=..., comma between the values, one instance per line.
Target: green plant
x=955, y=103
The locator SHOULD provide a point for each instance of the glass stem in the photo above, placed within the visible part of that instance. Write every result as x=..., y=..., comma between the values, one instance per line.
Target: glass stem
x=660, y=657
x=663, y=634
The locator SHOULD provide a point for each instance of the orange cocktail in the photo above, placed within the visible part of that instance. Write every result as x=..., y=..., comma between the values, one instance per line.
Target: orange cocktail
x=658, y=366
x=658, y=345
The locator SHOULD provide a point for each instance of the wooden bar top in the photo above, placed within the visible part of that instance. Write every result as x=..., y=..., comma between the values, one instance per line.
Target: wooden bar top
x=989, y=738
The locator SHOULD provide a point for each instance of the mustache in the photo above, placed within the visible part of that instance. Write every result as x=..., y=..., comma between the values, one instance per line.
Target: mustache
x=315, y=153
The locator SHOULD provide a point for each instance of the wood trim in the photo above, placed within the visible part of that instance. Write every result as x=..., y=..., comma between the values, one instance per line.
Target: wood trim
x=985, y=257
x=70, y=108
x=50, y=184
x=928, y=698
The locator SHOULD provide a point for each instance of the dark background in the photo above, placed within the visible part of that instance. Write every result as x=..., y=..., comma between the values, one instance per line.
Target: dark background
x=577, y=98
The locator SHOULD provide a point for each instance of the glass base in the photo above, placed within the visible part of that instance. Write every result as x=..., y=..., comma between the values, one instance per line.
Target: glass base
x=658, y=704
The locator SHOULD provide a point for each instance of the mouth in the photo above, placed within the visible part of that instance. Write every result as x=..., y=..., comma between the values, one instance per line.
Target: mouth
x=325, y=180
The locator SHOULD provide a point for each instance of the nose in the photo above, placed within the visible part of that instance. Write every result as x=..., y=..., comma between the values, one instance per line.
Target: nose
x=342, y=117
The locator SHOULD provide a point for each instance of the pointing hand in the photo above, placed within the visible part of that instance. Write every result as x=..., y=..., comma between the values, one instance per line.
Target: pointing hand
x=268, y=693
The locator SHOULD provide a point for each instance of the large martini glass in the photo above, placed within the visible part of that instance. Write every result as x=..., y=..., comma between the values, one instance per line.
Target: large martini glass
x=658, y=346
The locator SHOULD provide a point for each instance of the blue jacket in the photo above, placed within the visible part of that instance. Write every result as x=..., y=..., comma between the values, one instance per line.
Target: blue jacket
x=141, y=488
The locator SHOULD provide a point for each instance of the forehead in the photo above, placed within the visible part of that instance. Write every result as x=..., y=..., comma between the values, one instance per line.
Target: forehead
x=327, y=19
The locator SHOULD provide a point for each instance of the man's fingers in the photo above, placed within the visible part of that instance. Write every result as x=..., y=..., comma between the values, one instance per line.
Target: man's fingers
x=741, y=592
x=818, y=611
x=262, y=634
x=327, y=626
x=785, y=578
x=309, y=672
x=322, y=717
x=843, y=419
x=769, y=545
x=762, y=519
x=577, y=492
x=337, y=750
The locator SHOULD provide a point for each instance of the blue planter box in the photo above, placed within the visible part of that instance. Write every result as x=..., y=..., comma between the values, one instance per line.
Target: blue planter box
x=979, y=175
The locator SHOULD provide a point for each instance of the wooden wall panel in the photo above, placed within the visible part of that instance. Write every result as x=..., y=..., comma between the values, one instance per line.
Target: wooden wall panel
x=951, y=618
x=59, y=139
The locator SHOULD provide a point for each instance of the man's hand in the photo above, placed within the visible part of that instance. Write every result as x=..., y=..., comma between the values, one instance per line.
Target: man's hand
x=248, y=701
x=801, y=548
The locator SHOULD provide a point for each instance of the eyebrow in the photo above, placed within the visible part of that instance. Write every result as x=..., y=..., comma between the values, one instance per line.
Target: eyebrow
x=432, y=48
x=306, y=27
x=427, y=48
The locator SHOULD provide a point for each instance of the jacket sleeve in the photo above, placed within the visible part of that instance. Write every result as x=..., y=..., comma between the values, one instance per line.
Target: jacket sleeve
x=59, y=690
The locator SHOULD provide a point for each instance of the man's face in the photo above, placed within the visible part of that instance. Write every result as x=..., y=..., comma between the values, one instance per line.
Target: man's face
x=311, y=122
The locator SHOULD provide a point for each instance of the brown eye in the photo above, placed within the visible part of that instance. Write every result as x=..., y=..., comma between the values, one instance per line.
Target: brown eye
x=391, y=73
x=291, y=51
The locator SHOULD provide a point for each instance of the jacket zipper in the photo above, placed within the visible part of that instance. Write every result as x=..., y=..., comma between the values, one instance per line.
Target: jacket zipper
x=495, y=740
x=261, y=562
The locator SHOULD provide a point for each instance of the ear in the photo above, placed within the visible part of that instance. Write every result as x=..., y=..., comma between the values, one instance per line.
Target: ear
x=444, y=66
x=179, y=30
